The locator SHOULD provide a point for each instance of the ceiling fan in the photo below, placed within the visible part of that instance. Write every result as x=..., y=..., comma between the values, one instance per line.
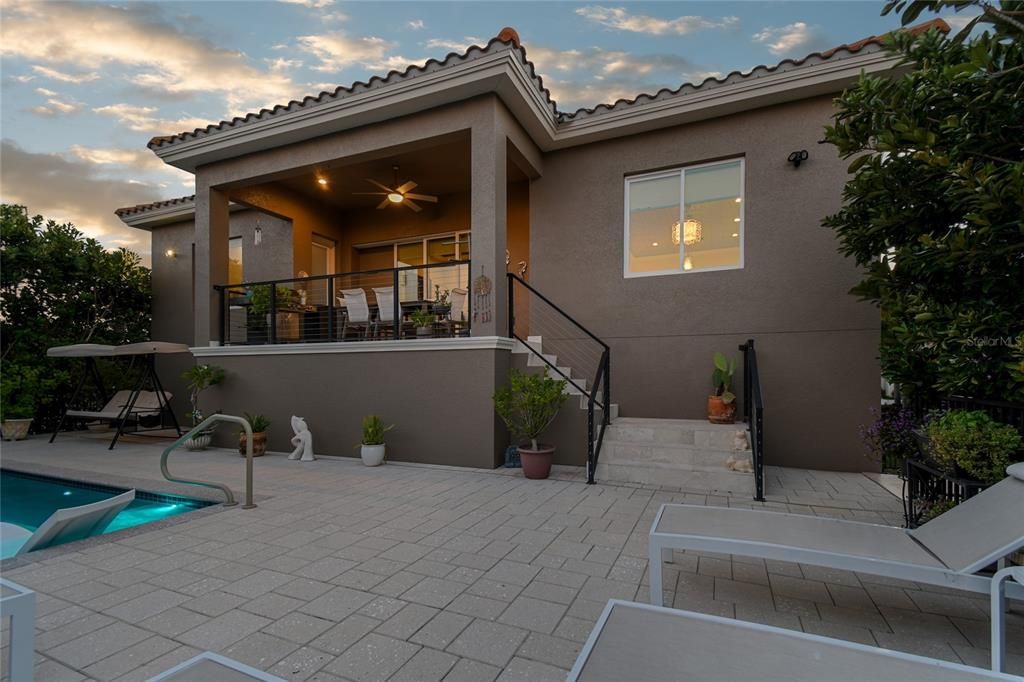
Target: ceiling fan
x=399, y=194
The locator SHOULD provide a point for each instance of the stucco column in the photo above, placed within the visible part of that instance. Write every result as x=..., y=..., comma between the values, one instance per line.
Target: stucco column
x=488, y=224
x=211, y=264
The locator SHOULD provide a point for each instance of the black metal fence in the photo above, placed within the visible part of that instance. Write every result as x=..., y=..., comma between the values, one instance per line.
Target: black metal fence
x=578, y=350
x=419, y=301
x=1000, y=411
x=753, y=413
x=927, y=492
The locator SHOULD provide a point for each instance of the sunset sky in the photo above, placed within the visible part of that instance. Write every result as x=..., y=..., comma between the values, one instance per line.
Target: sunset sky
x=85, y=85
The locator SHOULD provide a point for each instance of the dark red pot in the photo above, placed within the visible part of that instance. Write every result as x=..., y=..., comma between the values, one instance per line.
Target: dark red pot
x=537, y=463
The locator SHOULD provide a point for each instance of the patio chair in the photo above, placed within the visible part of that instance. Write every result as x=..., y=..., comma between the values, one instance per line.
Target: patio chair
x=948, y=551
x=456, y=322
x=357, y=313
x=642, y=642
x=385, y=321
x=208, y=666
x=64, y=525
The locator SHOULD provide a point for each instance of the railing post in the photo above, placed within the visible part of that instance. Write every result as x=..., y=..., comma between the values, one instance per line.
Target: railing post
x=396, y=306
x=511, y=306
x=220, y=318
x=330, y=308
x=273, y=313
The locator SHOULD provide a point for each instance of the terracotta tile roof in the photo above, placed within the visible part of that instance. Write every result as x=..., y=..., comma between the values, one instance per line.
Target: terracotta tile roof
x=145, y=208
x=508, y=39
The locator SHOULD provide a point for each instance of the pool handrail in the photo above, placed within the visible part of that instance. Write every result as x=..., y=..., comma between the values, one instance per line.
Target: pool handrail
x=200, y=427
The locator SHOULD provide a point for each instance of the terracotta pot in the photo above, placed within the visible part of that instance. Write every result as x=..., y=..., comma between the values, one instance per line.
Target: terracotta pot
x=15, y=429
x=259, y=444
x=720, y=412
x=536, y=463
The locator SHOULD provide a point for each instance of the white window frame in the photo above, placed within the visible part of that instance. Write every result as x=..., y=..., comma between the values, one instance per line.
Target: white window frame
x=681, y=172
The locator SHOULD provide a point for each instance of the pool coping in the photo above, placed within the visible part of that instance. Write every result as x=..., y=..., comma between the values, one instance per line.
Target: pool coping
x=113, y=480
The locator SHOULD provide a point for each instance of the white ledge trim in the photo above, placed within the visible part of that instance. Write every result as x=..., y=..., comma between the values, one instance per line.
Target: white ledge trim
x=405, y=345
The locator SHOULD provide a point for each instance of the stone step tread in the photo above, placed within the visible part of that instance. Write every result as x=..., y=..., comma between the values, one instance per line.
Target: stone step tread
x=692, y=424
x=719, y=481
x=609, y=437
x=695, y=461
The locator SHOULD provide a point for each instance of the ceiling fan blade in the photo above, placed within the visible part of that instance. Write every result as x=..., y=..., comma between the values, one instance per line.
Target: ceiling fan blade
x=411, y=204
x=374, y=182
x=407, y=187
x=422, y=197
x=370, y=194
x=383, y=204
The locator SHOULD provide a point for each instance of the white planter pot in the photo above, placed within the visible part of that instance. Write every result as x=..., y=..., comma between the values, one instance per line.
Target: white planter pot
x=16, y=429
x=200, y=442
x=373, y=455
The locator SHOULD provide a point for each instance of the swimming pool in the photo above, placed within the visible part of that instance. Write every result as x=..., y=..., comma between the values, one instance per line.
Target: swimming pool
x=27, y=500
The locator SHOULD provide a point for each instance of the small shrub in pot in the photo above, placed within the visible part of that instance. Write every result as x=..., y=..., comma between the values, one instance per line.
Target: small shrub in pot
x=259, y=425
x=722, y=403
x=372, y=449
x=974, y=443
x=528, y=405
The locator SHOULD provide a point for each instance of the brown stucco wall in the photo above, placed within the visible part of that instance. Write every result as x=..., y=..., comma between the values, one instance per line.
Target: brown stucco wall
x=817, y=345
x=439, y=401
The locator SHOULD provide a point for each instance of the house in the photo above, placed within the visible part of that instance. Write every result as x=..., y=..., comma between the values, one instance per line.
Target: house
x=668, y=227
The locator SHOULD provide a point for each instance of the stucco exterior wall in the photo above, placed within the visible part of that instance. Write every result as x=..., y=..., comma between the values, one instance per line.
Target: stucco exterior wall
x=817, y=345
x=439, y=401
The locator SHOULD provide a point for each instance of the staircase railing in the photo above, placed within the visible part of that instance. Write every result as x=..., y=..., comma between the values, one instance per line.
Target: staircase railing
x=753, y=414
x=583, y=352
x=229, y=500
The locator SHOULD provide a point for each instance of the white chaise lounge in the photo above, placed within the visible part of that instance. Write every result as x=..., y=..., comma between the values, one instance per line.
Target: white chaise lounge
x=652, y=643
x=64, y=525
x=211, y=667
x=948, y=550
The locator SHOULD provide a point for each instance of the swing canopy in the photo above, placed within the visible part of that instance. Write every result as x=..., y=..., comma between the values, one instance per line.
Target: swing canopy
x=99, y=350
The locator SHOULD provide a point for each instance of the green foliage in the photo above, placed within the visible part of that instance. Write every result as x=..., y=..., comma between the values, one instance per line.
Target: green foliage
x=529, y=404
x=890, y=438
x=200, y=378
x=20, y=390
x=58, y=287
x=721, y=378
x=937, y=508
x=975, y=442
x=257, y=422
x=934, y=210
x=441, y=296
x=259, y=300
x=422, y=317
x=374, y=430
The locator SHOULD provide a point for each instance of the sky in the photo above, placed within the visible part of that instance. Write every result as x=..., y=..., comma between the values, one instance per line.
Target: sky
x=86, y=84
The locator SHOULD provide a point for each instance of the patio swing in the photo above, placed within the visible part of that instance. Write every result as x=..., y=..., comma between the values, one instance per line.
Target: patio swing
x=146, y=399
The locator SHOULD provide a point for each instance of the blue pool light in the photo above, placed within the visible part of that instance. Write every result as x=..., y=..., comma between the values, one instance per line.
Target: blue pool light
x=67, y=492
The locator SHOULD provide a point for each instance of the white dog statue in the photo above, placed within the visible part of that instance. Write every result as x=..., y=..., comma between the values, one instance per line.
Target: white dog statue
x=302, y=440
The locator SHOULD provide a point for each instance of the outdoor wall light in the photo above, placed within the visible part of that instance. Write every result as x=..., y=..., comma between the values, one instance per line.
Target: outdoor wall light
x=257, y=235
x=798, y=157
x=322, y=181
x=171, y=253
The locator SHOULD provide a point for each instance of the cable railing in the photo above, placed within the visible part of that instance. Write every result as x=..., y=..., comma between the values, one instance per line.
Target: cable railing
x=582, y=359
x=753, y=414
x=409, y=302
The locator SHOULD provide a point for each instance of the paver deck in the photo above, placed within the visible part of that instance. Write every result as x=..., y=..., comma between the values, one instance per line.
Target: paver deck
x=405, y=572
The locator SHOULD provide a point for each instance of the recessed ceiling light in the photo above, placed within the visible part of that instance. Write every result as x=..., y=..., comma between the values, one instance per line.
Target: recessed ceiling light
x=735, y=220
x=654, y=243
x=735, y=234
x=738, y=200
x=322, y=181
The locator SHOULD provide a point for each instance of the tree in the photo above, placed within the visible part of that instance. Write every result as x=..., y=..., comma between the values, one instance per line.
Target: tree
x=934, y=208
x=58, y=287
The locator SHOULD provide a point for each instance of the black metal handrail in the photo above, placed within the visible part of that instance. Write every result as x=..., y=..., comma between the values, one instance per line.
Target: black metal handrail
x=602, y=377
x=753, y=413
x=330, y=282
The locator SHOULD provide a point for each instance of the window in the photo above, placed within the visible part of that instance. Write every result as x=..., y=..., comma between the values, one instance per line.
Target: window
x=235, y=271
x=684, y=220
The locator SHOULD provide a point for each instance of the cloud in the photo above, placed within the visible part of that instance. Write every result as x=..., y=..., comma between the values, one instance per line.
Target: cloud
x=135, y=159
x=790, y=39
x=957, y=22
x=75, y=191
x=314, y=4
x=620, y=19
x=595, y=75
x=337, y=51
x=416, y=24
x=143, y=119
x=56, y=75
x=54, y=105
x=45, y=92
x=454, y=45
x=154, y=53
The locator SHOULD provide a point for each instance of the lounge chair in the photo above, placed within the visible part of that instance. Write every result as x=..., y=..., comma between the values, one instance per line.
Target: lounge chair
x=210, y=667
x=64, y=525
x=642, y=642
x=147, y=403
x=19, y=604
x=948, y=550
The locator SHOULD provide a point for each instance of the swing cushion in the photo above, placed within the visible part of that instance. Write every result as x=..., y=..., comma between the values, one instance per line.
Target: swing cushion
x=147, y=402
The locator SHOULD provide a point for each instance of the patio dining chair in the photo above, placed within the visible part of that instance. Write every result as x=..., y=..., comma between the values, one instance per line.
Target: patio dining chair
x=456, y=321
x=356, y=314
x=384, y=324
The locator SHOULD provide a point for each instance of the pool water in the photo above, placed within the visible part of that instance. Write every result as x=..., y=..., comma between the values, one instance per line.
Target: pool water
x=27, y=500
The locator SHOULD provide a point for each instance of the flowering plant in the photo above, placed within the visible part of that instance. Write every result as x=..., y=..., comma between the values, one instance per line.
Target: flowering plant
x=890, y=437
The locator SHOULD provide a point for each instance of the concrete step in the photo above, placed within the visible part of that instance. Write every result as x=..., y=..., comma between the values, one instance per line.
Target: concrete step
x=722, y=481
x=666, y=456
x=687, y=432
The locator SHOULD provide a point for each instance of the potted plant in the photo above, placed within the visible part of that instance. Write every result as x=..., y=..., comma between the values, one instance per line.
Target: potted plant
x=423, y=319
x=259, y=309
x=18, y=401
x=442, y=300
x=722, y=404
x=528, y=405
x=259, y=425
x=200, y=378
x=371, y=450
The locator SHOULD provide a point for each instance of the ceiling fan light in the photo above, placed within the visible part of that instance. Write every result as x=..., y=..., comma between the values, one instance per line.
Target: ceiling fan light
x=395, y=197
